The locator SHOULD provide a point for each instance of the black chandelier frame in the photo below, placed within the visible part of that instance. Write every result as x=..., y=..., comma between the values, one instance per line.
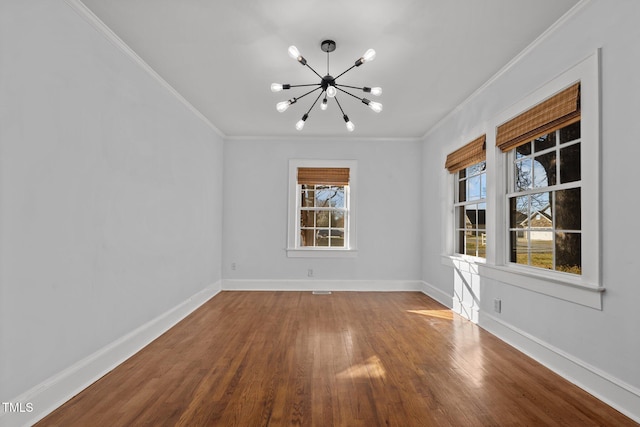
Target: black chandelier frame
x=328, y=86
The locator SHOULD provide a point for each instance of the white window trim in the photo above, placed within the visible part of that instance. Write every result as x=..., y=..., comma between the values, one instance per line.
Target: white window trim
x=587, y=288
x=293, y=248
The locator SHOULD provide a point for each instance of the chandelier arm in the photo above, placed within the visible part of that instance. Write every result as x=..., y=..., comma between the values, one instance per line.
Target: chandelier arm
x=356, y=97
x=311, y=68
x=314, y=103
x=310, y=84
x=339, y=106
x=312, y=90
x=348, y=69
x=352, y=87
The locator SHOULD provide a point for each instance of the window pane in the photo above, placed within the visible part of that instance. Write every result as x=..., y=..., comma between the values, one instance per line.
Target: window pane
x=473, y=188
x=482, y=244
x=307, y=198
x=544, y=170
x=570, y=163
x=567, y=205
x=306, y=218
x=482, y=216
x=460, y=245
x=519, y=247
x=462, y=190
x=541, y=248
x=461, y=217
x=570, y=133
x=523, y=150
x=322, y=237
x=519, y=211
x=306, y=237
x=322, y=219
x=337, y=219
x=337, y=238
x=545, y=141
x=327, y=196
x=523, y=178
x=471, y=221
x=569, y=252
x=337, y=197
x=483, y=186
x=540, y=202
x=471, y=243
x=476, y=169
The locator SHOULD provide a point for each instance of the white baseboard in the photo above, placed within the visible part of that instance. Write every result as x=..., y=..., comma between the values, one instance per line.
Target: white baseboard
x=55, y=391
x=437, y=294
x=322, y=285
x=612, y=391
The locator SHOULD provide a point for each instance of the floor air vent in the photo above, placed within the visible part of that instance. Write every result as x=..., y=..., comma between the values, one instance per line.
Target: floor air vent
x=321, y=292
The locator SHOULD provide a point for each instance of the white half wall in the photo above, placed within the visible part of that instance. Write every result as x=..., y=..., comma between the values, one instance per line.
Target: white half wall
x=255, y=210
x=604, y=343
x=110, y=193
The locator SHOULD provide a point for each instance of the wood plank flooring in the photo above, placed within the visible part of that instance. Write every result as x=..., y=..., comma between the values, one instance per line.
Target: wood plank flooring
x=345, y=359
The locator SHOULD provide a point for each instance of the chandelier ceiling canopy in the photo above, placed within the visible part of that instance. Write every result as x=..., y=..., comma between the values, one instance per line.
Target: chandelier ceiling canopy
x=328, y=86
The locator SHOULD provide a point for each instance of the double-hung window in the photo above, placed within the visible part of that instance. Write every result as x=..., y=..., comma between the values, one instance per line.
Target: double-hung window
x=468, y=164
x=544, y=184
x=321, y=208
x=547, y=221
x=544, y=200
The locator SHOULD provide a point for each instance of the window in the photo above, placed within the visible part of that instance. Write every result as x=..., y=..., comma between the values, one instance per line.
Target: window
x=545, y=202
x=544, y=186
x=470, y=193
x=546, y=221
x=321, y=208
x=322, y=214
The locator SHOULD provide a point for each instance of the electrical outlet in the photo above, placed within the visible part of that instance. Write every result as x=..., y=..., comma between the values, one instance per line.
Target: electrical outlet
x=233, y=265
x=310, y=272
x=497, y=305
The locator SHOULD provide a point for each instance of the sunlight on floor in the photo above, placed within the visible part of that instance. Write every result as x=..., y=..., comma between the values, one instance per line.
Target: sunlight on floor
x=440, y=314
x=370, y=368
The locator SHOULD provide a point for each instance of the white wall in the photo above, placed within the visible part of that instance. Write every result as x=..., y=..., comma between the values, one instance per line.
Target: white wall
x=606, y=343
x=110, y=194
x=255, y=210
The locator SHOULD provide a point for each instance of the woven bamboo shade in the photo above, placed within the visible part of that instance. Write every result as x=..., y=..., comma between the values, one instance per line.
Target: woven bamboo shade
x=558, y=111
x=323, y=176
x=472, y=153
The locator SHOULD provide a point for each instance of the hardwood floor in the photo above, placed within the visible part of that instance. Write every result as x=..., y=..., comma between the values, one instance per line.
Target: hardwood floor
x=345, y=359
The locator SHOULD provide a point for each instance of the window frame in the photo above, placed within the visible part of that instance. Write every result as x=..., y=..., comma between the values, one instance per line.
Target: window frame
x=587, y=288
x=294, y=208
x=457, y=204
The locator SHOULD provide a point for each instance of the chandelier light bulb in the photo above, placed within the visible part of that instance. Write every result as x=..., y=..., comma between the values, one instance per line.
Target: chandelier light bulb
x=282, y=106
x=369, y=55
x=300, y=123
x=294, y=52
x=350, y=126
x=375, y=106
x=324, y=104
x=377, y=91
x=331, y=91
x=349, y=123
x=276, y=87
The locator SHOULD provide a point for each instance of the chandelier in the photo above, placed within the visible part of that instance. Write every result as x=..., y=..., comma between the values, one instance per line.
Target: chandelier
x=328, y=86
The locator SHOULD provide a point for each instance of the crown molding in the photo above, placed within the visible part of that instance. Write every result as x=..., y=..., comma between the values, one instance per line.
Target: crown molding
x=85, y=13
x=541, y=38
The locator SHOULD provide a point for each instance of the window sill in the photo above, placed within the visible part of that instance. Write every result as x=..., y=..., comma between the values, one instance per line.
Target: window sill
x=321, y=253
x=575, y=291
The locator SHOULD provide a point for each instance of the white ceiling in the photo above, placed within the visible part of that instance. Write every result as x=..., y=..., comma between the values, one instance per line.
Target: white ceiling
x=222, y=56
